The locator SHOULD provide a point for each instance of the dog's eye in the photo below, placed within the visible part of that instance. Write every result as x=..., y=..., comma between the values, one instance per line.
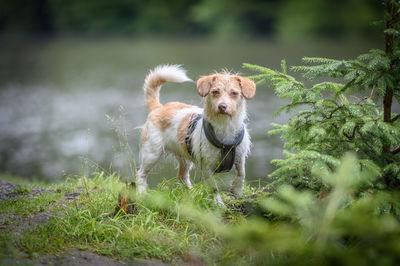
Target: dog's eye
x=215, y=93
x=234, y=93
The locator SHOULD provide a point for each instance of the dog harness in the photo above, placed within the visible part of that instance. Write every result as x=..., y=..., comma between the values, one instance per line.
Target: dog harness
x=228, y=150
x=192, y=126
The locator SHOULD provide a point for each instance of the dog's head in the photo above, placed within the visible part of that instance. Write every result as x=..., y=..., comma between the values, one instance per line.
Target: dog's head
x=224, y=93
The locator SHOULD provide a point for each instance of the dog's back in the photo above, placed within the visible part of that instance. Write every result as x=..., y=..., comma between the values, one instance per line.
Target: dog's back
x=168, y=120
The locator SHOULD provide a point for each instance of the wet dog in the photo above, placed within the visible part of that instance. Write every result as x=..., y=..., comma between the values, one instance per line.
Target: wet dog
x=214, y=137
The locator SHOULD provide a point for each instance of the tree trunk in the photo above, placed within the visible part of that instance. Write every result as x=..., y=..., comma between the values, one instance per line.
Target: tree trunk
x=389, y=42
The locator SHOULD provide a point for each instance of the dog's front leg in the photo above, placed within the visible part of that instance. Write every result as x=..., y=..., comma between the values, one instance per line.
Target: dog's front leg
x=213, y=186
x=237, y=184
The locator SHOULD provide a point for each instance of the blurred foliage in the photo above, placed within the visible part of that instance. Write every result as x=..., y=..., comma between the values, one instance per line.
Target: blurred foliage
x=331, y=120
x=346, y=18
x=284, y=18
x=338, y=228
x=120, y=16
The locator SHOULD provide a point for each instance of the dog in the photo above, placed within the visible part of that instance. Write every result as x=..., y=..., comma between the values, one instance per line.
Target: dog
x=214, y=137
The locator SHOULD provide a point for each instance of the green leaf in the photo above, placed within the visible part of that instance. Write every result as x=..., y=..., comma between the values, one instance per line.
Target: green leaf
x=283, y=66
x=392, y=32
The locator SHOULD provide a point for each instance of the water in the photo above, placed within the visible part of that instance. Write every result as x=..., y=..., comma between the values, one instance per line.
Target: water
x=55, y=96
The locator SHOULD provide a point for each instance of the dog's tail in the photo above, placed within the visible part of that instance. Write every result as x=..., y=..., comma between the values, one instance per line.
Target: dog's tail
x=156, y=77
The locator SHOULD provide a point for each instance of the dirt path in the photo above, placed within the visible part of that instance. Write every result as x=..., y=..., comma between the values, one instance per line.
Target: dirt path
x=76, y=257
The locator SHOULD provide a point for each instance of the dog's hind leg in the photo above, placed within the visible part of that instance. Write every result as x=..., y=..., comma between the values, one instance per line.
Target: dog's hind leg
x=183, y=174
x=150, y=154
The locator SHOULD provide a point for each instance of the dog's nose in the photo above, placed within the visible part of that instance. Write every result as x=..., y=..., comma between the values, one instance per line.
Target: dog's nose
x=222, y=107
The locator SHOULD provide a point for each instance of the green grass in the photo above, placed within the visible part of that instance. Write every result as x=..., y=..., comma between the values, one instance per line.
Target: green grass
x=27, y=205
x=159, y=229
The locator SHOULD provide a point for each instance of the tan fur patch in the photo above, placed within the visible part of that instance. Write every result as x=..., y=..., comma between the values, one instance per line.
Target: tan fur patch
x=162, y=117
x=248, y=87
x=151, y=93
x=144, y=134
x=155, y=82
x=181, y=171
x=204, y=85
x=182, y=131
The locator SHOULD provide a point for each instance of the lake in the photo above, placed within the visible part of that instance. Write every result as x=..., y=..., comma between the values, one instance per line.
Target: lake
x=72, y=106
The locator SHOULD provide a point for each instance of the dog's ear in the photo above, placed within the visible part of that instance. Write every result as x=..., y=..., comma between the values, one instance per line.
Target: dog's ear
x=248, y=87
x=204, y=85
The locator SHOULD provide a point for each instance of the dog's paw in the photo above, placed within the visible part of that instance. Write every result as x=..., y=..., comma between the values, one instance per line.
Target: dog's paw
x=218, y=201
x=141, y=189
x=236, y=191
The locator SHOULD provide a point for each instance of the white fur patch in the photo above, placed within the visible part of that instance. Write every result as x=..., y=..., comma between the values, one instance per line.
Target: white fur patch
x=172, y=73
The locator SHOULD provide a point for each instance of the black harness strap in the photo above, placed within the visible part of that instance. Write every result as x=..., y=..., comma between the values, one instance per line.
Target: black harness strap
x=228, y=150
x=192, y=125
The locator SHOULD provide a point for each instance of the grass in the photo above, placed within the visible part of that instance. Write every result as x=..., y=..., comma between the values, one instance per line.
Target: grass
x=161, y=228
x=26, y=205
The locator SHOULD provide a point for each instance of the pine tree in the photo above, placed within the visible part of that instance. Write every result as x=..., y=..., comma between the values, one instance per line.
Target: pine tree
x=333, y=121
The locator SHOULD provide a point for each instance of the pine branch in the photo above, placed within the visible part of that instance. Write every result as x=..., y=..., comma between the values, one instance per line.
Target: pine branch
x=395, y=118
x=320, y=60
x=396, y=150
x=334, y=111
x=352, y=135
x=348, y=85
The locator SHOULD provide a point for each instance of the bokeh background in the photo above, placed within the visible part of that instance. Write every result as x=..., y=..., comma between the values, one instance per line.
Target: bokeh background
x=71, y=72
